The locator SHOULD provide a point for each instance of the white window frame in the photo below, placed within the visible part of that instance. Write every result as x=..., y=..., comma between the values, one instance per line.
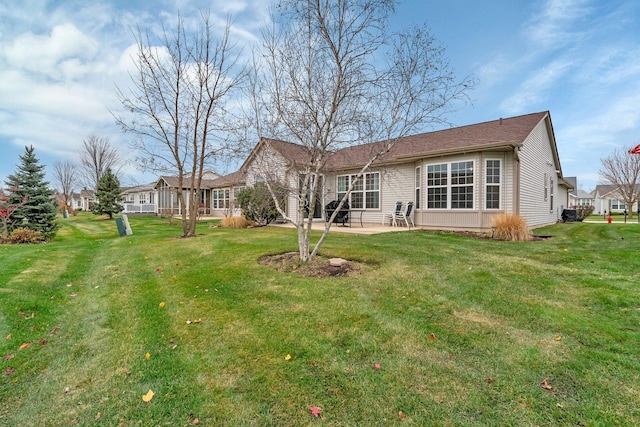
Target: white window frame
x=437, y=184
x=220, y=198
x=447, y=184
x=488, y=184
x=142, y=198
x=418, y=191
x=366, y=191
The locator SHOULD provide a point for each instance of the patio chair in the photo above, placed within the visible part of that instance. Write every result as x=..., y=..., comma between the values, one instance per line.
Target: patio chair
x=405, y=216
x=392, y=215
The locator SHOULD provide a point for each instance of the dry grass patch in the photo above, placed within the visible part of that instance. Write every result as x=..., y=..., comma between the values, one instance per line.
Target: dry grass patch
x=236, y=222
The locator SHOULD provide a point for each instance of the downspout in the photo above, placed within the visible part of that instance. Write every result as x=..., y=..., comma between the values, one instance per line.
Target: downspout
x=516, y=181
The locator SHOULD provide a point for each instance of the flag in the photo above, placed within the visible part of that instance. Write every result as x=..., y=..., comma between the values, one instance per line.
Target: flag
x=635, y=150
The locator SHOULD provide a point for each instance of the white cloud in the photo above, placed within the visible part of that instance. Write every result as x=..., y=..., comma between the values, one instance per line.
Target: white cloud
x=554, y=25
x=535, y=88
x=43, y=53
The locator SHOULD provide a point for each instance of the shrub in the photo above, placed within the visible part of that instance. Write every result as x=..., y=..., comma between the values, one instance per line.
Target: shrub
x=235, y=222
x=511, y=227
x=583, y=212
x=25, y=235
x=257, y=202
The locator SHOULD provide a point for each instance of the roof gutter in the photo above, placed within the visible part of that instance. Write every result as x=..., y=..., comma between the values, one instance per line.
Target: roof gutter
x=503, y=146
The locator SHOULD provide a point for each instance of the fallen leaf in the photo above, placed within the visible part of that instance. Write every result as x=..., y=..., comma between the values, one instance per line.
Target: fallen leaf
x=9, y=371
x=161, y=304
x=558, y=338
x=73, y=295
x=23, y=346
x=489, y=380
x=545, y=385
x=8, y=357
x=196, y=422
x=54, y=331
x=376, y=366
x=147, y=397
x=147, y=356
x=97, y=417
x=287, y=357
x=9, y=337
x=401, y=415
x=67, y=389
x=432, y=336
x=43, y=342
x=315, y=411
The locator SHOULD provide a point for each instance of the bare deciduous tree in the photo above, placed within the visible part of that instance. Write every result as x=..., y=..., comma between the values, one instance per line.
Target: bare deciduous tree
x=622, y=170
x=97, y=154
x=331, y=74
x=177, y=103
x=65, y=175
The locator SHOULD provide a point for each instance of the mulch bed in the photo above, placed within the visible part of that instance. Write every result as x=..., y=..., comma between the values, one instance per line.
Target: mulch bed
x=320, y=267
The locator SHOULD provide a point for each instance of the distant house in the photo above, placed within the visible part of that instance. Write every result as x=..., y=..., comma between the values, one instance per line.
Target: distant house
x=167, y=188
x=457, y=178
x=606, y=199
x=582, y=198
x=82, y=201
x=140, y=199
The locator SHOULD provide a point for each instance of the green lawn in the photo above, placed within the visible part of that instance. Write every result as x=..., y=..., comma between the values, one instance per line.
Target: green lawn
x=464, y=330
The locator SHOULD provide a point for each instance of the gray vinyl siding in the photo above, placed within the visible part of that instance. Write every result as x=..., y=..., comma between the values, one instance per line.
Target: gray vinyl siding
x=536, y=162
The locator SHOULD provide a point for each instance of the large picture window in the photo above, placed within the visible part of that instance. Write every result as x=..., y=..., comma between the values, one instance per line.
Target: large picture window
x=365, y=193
x=493, y=182
x=451, y=185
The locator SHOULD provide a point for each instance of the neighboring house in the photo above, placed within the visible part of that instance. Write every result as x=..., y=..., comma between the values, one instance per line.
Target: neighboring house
x=224, y=194
x=82, y=201
x=167, y=188
x=140, y=199
x=458, y=178
x=582, y=198
x=607, y=199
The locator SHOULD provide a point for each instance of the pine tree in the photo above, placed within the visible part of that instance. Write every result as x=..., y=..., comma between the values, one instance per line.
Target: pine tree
x=37, y=209
x=108, y=195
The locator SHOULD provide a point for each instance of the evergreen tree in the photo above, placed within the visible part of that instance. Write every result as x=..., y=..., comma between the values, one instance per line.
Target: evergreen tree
x=108, y=195
x=36, y=207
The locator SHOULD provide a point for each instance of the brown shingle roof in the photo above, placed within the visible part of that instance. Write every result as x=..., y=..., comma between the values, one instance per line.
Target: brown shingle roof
x=172, y=181
x=497, y=134
x=295, y=153
x=235, y=178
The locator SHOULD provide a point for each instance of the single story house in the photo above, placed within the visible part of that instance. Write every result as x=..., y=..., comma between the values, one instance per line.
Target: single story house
x=607, y=199
x=582, y=198
x=82, y=201
x=167, y=188
x=140, y=199
x=458, y=178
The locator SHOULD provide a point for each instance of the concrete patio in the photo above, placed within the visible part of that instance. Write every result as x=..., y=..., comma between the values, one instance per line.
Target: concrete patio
x=366, y=229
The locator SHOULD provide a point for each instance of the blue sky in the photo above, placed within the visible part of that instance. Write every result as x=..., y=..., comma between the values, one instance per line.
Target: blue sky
x=579, y=59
